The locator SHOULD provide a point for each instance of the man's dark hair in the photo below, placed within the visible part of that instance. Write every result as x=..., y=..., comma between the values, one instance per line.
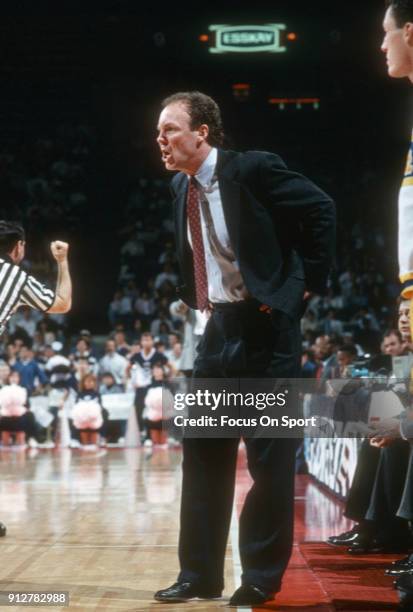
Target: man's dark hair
x=335, y=339
x=402, y=11
x=202, y=110
x=392, y=332
x=349, y=349
x=106, y=374
x=10, y=234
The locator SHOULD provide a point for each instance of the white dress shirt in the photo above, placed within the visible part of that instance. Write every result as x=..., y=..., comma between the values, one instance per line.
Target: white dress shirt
x=115, y=364
x=219, y=288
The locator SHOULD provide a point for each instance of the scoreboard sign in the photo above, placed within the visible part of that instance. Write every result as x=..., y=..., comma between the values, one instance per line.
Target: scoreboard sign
x=248, y=38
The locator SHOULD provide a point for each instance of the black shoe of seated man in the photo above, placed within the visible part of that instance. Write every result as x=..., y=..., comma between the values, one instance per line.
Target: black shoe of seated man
x=179, y=592
x=404, y=584
x=403, y=562
x=400, y=567
x=250, y=595
x=406, y=602
x=3, y=530
x=346, y=538
x=374, y=546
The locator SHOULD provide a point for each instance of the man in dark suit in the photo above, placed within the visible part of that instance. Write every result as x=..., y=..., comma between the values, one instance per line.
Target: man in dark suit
x=252, y=239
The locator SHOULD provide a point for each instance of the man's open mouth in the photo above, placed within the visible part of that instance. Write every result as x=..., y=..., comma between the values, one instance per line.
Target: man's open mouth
x=166, y=156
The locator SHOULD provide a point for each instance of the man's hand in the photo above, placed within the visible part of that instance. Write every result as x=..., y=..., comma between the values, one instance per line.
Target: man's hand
x=182, y=308
x=388, y=431
x=63, y=297
x=59, y=250
x=382, y=441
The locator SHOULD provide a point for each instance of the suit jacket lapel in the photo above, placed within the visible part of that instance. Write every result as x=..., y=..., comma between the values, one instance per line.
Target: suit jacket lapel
x=230, y=195
x=180, y=215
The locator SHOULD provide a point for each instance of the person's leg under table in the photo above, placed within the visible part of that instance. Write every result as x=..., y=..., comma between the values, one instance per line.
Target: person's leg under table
x=387, y=494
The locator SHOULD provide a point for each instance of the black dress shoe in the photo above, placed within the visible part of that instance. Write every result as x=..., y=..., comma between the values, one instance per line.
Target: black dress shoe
x=346, y=538
x=406, y=603
x=250, y=595
x=404, y=585
x=179, y=592
x=403, y=562
x=3, y=530
x=374, y=546
x=400, y=567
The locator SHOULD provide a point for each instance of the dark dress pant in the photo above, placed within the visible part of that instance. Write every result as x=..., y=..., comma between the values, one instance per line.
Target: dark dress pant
x=240, y=341
x=358, y=499
x=387, y=493
x=405, y=510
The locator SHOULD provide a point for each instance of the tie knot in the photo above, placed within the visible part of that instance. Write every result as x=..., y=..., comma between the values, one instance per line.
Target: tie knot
x=194, y=182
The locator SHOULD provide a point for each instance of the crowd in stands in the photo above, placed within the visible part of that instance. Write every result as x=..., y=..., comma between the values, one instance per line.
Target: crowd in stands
x=80, y=375
x=43, y=181
x=45, y=185
x=152, y=338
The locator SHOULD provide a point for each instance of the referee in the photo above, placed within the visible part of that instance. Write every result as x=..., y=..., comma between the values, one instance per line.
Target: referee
x=18, y=288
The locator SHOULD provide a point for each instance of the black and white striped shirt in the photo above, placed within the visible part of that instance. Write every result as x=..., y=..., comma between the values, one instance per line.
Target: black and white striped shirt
x=18, y=288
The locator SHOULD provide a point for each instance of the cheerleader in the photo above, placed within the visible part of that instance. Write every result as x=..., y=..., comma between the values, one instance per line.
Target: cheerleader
x=158, y=407
x=88, y=416
x=15, y=418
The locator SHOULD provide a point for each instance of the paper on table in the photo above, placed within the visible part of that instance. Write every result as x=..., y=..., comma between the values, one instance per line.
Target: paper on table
x=384, y=405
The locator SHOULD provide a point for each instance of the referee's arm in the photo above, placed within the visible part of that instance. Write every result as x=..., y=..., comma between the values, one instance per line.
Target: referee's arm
x=63, y=295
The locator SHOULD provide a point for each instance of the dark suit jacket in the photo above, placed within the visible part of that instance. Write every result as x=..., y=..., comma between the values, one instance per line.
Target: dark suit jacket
x=281, y=227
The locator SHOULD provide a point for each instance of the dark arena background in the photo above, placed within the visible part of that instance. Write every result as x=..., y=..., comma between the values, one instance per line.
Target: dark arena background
x=82, y=83
x=81, y=91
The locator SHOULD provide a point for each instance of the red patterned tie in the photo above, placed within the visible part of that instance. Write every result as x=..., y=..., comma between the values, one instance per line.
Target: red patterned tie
x=194, y=218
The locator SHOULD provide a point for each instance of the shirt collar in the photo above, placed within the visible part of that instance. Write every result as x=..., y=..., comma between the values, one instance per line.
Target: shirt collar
x=206, y=172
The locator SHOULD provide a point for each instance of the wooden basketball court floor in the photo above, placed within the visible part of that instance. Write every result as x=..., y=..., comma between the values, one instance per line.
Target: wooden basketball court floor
x=103, y=525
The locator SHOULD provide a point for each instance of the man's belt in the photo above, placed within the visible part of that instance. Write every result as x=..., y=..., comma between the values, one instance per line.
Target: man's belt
x=248, y=304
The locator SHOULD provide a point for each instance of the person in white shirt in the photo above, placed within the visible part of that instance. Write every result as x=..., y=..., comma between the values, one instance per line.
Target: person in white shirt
x=113, y=362
x=168, y=274
x=25, y=319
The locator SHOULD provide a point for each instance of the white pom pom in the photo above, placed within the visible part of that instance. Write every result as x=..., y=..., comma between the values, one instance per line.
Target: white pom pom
x=87, y=415
x=158, y=403
x=12, y=400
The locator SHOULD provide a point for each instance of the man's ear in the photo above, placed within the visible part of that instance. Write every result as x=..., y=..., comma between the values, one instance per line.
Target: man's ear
x=15, y=251
x=408, y=33
x=203, y=132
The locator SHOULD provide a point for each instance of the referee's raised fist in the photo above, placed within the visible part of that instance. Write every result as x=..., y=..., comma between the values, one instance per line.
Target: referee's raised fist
x=59, y=250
